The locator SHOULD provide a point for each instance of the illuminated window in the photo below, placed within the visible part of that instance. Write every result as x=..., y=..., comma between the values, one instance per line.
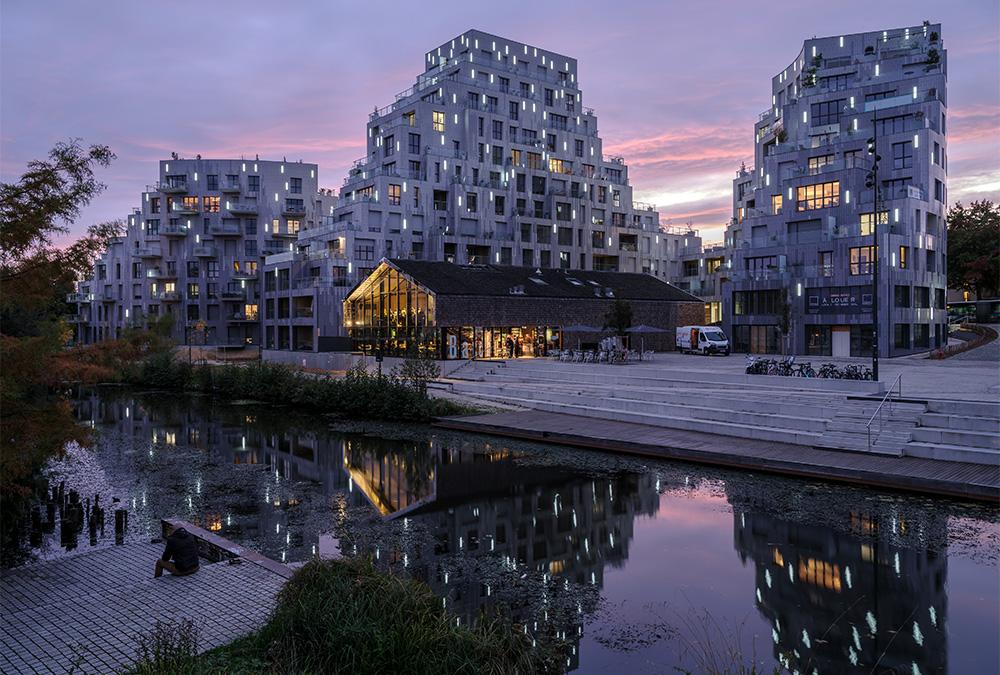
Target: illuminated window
x=818, y=196
x=437, y=119
x=293, y=226
x=394, y=194
x=868, y=222
x=410, y=118
x=211, y=204
x=555, y=165
x=862, y=260
x=250, y=312
x=817, y=163
x=775, y=204
x=191, y=203
x=904, y=257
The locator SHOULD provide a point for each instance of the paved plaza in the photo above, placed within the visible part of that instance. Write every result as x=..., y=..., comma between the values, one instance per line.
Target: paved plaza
x=83, y=613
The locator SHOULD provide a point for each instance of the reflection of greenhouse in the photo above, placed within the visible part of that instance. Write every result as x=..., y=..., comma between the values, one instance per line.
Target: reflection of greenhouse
x=842, y=601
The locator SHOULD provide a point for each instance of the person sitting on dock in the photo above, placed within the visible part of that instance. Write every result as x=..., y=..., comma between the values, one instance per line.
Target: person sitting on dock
x=182, y=546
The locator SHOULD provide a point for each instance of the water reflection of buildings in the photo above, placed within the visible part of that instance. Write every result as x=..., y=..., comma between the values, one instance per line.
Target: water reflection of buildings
x=867, y=597
x=499, y=531
x=495, y=522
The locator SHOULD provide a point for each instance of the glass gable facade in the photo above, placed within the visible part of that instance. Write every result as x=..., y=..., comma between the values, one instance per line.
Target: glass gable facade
x=388, y=311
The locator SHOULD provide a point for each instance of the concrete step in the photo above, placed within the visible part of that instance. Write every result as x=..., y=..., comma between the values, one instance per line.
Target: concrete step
x=952, y=453
x=652, y=407
x=601, y=371
x=975, y=439
x=966, y=408
x=728, y=400
x=740, y=430
x=962, y=422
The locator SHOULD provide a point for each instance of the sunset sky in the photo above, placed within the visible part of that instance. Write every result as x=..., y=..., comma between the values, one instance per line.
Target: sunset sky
x=676, y=85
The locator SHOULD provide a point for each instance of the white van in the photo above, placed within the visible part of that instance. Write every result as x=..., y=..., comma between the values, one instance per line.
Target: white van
x=702, y=340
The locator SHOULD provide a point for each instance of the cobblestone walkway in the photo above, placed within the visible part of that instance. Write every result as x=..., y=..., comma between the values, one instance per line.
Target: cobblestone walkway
x=86, y=611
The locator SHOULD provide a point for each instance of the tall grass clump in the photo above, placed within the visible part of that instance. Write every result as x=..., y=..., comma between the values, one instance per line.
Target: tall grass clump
x=347, y=617
x=360, y=394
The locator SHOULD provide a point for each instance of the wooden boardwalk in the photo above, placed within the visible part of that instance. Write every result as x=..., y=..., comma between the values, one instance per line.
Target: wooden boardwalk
x=965, y=481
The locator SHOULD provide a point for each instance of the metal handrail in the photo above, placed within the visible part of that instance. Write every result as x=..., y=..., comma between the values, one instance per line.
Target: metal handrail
x=896, y=384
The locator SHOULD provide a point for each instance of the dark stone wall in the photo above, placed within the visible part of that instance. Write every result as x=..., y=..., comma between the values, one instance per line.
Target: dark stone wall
x=460, y=310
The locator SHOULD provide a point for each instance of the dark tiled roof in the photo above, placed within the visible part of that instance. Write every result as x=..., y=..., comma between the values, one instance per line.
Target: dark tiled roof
x=445, y=278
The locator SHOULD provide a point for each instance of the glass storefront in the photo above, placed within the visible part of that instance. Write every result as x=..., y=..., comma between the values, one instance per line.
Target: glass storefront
x=391, y=313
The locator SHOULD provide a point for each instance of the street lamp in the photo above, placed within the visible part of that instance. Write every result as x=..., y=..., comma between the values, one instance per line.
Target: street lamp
x=871, y=181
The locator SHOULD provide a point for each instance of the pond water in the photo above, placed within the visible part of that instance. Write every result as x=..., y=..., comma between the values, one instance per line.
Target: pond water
x=632, y=564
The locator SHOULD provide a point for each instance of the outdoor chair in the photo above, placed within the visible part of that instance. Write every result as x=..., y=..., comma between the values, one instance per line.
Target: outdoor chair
x=647, y=355
x=602, y=357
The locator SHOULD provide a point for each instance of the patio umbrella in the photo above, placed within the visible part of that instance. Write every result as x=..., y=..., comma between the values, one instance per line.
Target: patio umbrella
x=642, y=328
x=580, y=328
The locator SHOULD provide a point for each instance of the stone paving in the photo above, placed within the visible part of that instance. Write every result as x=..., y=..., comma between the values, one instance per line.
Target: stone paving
x=83, y=613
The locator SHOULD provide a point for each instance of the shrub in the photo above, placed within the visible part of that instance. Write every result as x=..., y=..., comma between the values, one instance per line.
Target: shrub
x=343, y=617
x=361, y=394
x=167, y=648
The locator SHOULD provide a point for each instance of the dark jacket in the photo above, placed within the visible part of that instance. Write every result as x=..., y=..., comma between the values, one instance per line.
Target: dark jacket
x=182, y=546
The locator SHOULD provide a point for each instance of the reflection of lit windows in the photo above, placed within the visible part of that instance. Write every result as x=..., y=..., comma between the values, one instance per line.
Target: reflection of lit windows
x=779, y=560
x=866, y=553
x=820, y=573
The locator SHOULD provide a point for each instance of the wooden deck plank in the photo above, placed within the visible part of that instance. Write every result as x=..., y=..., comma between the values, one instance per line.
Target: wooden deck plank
x=955, y=479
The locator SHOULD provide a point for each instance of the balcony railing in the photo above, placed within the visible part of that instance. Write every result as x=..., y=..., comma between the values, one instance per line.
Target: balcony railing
x=225, y=230
x=79, y=297
x=159, y=273
x=148, y=252
x=174, y=230
x=172, y=186
x=243, y=208
x=205, y=251
x=227, y=186
x=184, y=209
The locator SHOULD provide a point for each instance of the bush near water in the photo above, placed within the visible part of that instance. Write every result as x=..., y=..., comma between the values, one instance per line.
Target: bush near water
x=360, y=394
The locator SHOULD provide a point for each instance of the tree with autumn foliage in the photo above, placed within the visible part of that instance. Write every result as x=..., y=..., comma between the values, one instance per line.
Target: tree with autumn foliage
x=35, y=275
x=974, y=248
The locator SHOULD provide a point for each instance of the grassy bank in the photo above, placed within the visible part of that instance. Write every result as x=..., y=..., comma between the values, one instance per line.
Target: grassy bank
x=360, y=394
x=347, y=617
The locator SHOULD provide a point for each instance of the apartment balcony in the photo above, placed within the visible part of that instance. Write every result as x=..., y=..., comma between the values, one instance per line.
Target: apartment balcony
x=79, y=297
x=108, y=296
x=241, y=209
x=285, y=233
x=234, y=294
x=240, y=317
x=232, y=188
x=205, y=252
x=159, y=273
x=169, y=296
x=303, y=313
x=77, y=318
x=175, y=230
x=172, y=186
x=148, y=252
x=184, y=209
x=293, y=209
x=225, y=230
x=244, y=275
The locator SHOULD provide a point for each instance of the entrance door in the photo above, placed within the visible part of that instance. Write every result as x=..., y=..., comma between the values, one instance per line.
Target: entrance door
x=841, y=340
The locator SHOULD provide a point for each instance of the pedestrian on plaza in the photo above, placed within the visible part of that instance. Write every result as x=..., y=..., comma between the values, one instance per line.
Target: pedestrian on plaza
x=510, y=348
x=182, y=546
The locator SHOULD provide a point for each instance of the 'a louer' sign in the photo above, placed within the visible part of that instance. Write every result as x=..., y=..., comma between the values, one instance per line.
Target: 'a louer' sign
x=839, y=299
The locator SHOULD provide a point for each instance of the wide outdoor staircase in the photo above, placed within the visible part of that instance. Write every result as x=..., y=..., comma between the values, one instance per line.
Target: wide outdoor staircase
x=961, y=431
x=828, y=414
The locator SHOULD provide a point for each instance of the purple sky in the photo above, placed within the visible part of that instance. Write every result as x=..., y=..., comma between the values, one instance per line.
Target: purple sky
x=676, y=86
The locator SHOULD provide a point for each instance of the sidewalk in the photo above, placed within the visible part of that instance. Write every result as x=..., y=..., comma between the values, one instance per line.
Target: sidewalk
x=84, y=612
